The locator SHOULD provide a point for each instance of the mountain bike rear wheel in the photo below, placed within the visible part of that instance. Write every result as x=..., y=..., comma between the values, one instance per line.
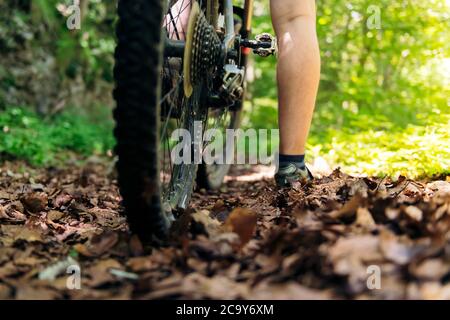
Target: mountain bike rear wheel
x=151, y=106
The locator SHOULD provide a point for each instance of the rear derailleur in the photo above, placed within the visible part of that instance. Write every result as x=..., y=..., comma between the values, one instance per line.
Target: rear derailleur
x=232, y=88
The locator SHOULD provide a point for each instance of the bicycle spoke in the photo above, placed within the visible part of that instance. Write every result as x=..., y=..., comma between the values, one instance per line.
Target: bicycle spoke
x=169, y=113
x=174, y=20
x=167, y=95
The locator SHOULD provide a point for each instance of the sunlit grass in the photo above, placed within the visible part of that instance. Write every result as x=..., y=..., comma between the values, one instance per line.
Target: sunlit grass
x=417, y=151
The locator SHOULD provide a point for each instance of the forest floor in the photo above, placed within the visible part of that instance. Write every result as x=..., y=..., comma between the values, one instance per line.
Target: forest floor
x=340, y=237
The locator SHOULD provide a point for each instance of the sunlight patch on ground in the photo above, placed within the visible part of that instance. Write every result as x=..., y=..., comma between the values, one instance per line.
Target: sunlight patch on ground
x=257, y=173
x=415, y=152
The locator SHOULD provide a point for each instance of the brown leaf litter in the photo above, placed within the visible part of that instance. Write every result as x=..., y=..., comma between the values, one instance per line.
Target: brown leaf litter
x=252, y=241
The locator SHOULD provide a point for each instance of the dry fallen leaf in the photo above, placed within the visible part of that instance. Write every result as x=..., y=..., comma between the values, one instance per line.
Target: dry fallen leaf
x=62, y=200
x=352, y=254
x=431, y=269
x=392, y=213
x=286, y=291
x=349, y=209
x=140, y=264
x=99, y=244
x=135, y=245
x=217, y=287
x=398, y=249
x=99, y=273
x=35, y=202
x=5, y=292
x=414, y=213
x=243, y=222
x=435, y=291
x=3, y=214
x=211, y=226
x=364, y=218
x=54, y=215
x=29, y=292
x=15, y=233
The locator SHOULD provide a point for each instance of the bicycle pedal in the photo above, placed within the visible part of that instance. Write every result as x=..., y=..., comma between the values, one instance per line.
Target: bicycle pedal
x=264, y=45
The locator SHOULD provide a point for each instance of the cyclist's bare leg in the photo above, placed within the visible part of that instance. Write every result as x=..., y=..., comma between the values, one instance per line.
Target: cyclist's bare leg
x=176, y=20
x=298, y=70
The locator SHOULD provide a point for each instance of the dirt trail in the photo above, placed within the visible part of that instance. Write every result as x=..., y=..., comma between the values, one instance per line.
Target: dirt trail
x=339, y=237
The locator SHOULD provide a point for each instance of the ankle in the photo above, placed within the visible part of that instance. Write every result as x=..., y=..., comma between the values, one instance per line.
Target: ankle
x=286, y=160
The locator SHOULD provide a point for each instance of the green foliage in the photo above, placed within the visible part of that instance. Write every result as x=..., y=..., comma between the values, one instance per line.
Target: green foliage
x=40, y=141
x=89, y=51
x=383, y=104
x=42, y=24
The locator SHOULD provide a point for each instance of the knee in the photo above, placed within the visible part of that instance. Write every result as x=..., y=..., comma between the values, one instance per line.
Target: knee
x=286, y=11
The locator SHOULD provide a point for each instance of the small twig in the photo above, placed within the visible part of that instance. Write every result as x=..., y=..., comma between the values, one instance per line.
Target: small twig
x=417, y=184
x=403, y=189
x=378, y=186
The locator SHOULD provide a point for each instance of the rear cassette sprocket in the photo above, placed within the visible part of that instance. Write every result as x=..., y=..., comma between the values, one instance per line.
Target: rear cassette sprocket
x=202, y=50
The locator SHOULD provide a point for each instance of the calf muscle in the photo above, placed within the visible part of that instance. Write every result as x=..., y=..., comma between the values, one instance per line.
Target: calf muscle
x=298, y=70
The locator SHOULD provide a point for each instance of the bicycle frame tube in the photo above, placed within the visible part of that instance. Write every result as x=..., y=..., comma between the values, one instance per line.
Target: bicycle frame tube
x=248, y=15
x=229, y=21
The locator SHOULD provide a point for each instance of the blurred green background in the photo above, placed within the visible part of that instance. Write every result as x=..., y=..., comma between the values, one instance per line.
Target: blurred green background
x=383, y=106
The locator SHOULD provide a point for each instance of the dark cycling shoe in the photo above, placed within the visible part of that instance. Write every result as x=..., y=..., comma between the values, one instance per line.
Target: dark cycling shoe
x=287, y=175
